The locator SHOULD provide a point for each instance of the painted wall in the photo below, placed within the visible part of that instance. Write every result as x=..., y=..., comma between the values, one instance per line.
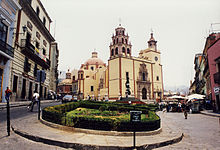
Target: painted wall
x=19, y=58
x=8, y=10
x=213, y=53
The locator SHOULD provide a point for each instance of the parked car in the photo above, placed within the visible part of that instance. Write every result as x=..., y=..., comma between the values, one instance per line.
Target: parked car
x=67, y=98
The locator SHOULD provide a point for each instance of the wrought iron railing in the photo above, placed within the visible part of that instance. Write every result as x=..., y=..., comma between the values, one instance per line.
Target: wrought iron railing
x=6, y=48
x=30, y=51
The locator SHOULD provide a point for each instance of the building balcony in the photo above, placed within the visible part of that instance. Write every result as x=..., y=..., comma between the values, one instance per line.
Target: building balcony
x=7, y=49
x=30, y=51
x=217, y=77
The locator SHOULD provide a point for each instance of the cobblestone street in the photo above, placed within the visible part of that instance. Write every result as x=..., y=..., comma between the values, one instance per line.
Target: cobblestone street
x=201, y=132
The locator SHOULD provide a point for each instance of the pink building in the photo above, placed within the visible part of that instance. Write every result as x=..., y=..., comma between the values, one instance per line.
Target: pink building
x=213, y=54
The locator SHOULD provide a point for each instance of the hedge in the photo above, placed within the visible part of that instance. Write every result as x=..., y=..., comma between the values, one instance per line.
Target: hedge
x=59, y=114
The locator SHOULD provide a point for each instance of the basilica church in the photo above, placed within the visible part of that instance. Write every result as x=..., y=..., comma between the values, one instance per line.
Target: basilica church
x=125, y=75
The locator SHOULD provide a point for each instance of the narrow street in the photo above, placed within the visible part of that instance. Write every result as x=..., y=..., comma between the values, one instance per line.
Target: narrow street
x=201, y=132
x=15, y=142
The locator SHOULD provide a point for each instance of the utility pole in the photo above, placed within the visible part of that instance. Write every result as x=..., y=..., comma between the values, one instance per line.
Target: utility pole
x=40, y=95
x=8, y=117
x=41, y=77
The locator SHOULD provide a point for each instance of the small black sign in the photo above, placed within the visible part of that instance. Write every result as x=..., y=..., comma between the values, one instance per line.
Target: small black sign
x=135, y=116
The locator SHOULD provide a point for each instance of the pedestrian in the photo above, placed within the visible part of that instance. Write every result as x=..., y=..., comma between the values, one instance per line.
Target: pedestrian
x=7, y=94
x=185, y=110
x=167, y=107
x=35, y=100
x=185, y=113
x=179, y=107
x=7, y=97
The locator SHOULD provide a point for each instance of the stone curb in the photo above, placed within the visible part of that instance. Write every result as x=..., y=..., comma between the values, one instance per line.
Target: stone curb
x=210, y=114
x=80, y=146
x=96, y=132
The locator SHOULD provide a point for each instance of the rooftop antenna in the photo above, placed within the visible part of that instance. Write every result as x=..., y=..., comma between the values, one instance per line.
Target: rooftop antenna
x=94, y=49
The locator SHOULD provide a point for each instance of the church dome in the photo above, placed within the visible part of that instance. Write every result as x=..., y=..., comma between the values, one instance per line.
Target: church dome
x=94, y=60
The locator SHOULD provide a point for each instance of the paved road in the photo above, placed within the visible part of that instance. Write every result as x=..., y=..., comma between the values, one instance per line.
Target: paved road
x=201, y=132
x=15, y=142
x=19, y=112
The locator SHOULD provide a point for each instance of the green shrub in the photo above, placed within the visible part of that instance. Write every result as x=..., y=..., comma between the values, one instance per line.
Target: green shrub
x=64, y=114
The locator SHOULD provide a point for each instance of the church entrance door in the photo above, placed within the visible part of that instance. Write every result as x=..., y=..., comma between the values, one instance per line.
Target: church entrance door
x=144, y=93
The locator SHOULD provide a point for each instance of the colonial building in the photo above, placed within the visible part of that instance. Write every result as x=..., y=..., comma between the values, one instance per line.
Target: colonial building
x=32, y=43
x=92, y=78
x=125, y=75
x=143, y=73
x=213, y=53
x=8, y=11
x=67, y=86
x=207, y=78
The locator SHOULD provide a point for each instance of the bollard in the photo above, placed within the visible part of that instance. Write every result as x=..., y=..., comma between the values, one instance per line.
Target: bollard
x=8, y=117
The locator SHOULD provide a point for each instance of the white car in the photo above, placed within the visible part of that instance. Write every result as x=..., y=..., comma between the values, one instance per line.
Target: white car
x=67, y=98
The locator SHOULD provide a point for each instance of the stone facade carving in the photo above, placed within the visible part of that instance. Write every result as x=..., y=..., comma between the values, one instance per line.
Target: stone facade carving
x=143, y=83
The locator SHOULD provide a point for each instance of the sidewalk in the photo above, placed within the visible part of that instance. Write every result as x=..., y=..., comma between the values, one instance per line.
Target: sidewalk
x=210, y=113
x=34, y=130
x=21, y=103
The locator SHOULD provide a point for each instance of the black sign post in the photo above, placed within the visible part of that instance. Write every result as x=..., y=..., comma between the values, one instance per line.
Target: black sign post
x=8, y=117
x=41, y=77
x=135, y=117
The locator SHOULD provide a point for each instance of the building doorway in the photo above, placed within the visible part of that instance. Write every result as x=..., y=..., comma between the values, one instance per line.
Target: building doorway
x=45, y=93
x=218, y=102
x=23, y=92
x=1, y=81
x=144, y=93
x=30, y=91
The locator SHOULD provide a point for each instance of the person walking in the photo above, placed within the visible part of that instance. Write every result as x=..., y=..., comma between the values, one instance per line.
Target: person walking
x=7, y=94
x=7, y=97
x=184, y=106
x=35, y=100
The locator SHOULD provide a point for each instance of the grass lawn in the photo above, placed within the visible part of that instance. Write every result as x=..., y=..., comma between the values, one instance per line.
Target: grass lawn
x=105, y=114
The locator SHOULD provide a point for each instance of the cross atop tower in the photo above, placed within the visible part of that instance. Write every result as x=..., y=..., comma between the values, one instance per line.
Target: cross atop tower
x=151, y=30
x=119, y=21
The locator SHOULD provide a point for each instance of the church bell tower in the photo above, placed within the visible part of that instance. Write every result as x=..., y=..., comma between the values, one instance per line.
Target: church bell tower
x=120, y=45
x=152, y=43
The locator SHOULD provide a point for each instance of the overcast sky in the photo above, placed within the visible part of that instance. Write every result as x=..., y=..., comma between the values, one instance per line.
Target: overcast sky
x=179, y=26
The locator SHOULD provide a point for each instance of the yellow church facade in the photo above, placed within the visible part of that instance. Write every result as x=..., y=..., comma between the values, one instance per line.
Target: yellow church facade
x=139, y=77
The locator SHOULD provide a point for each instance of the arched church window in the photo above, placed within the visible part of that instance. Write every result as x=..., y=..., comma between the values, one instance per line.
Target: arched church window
x=114, y=41
x=112, y=52
x=128, y=51
x=117, y=40
x=126, y=41
x=143, y=76
x=123, y=50
x=122, y=40
x=116, y=51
